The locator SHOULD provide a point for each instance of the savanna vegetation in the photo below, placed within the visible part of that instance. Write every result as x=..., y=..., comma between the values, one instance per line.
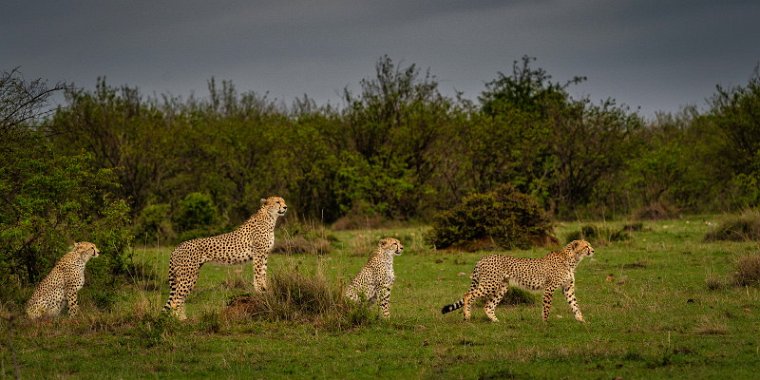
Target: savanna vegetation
x=525, y=165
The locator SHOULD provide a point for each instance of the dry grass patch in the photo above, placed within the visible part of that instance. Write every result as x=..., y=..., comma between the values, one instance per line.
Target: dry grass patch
x=296, y=297
x=747, y=270
x=745, y=227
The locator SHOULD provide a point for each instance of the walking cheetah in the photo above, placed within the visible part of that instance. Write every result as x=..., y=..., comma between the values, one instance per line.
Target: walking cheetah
x=251, y=241
x=61, y=285
x=494, y=274
x=376, y=277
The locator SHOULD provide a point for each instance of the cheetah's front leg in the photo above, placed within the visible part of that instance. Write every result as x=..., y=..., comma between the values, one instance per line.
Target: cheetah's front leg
x=71, y=299
x=385, y=300
x=569, y=291
x=260, y=273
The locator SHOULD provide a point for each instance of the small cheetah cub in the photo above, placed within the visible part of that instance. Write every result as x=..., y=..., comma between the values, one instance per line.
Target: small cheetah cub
x=376, y=277
x=61, y=285
x=493, y=275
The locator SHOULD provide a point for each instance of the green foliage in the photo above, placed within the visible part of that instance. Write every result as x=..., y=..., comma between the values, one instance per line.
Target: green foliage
x=504, y=217
x=195, y=211
x=154, y=224
x=50, y=199
x=397, y=150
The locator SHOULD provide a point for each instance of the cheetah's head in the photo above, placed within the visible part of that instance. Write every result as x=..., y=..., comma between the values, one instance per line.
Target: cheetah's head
x=86, y=250
x=274, y=205
x=391, y=246
x=580, y=249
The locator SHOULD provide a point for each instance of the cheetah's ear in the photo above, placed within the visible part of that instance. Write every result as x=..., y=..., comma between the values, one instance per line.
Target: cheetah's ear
x=263, y=200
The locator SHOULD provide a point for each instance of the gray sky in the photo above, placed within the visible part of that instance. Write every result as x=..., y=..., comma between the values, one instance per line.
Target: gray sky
x=658, y=55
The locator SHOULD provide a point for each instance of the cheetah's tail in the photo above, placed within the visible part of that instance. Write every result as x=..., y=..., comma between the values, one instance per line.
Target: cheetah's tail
x=452, y=307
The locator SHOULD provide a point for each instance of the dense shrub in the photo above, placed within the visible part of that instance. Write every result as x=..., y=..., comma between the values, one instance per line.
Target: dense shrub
x=503, y=217
x=741, y=228
x=153, y=224
x=196, y=216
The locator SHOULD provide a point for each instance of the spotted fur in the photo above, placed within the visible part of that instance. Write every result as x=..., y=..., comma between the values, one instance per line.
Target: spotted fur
x=59, y=288
x=252, y=241
x=493, y=275
x=375, y=280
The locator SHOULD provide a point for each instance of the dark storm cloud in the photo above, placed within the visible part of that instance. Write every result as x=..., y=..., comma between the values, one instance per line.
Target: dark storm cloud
x=655, y=54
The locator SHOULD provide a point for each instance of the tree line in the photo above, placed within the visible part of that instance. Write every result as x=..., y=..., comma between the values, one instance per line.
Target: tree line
x=111, y=164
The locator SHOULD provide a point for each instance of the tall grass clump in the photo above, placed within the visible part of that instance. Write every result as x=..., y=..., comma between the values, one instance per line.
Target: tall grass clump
x=741, y=228
x=303, y=237
x=297, y=297
x=747, y=270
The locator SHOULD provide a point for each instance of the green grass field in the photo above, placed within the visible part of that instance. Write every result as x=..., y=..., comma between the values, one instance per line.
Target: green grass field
x=650, y=314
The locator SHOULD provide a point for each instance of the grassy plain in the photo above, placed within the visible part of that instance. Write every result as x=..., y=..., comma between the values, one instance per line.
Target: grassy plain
x=649, y=309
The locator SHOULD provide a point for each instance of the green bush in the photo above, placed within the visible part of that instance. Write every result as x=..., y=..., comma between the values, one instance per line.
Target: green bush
x=196, y=216
x=154, y=224
x=503, y=217
x=741, y=228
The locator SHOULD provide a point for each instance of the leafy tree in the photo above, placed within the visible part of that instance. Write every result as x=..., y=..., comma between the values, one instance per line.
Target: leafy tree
x=393, y=126
x=736, y=114
x=49, y=200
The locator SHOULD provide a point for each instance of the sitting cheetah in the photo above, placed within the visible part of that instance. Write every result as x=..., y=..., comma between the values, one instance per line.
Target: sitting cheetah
x=251, y=241
x=62, y=283
x=494, y=274
x=376, y=277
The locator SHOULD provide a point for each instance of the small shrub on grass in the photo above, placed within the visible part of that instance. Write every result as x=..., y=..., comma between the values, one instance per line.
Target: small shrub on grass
x=502, y=218
x=742, y=228
x=517, y=296
x=294, y=296
x=210, y=322
x=714, y=283
x=748, y=271
x=155, y=330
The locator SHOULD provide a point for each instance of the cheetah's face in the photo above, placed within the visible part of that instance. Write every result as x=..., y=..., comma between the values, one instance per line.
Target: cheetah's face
x=86, y=249
x=582, y=249
x=275, y=205
x=391, y=246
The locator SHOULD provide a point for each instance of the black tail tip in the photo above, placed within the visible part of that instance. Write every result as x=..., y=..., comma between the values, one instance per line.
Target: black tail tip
x=446, y=309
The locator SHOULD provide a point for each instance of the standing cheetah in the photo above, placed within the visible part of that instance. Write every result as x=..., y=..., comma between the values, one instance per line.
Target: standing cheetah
x=61, y=285
x=376, y=277
x=251, y=241
x=494, y=274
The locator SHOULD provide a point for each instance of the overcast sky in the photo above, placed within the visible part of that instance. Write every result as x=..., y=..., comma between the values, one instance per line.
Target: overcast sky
x=654, y=55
